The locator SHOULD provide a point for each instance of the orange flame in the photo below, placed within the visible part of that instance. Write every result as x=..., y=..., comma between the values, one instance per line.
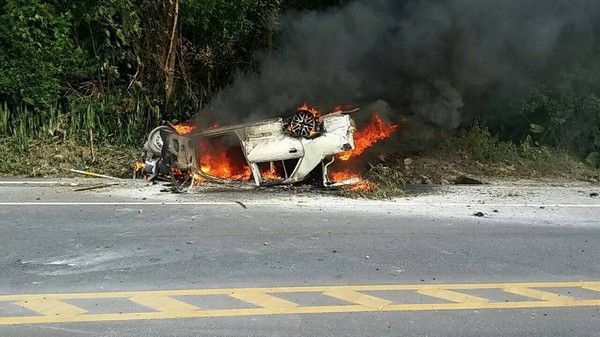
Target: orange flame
x=344, y=175
x=360, y=186
x=343, y=107
x=216, y=161
x=376, y=130
x=312, y=110
x=184, y=128
x=138, y=166
x=270, y=174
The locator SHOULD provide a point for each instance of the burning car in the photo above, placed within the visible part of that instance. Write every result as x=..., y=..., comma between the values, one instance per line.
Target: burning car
x=273, y=151
x=276, y=151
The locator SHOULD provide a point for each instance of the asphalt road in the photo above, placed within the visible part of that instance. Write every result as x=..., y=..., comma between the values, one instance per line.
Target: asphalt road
x=59, y=241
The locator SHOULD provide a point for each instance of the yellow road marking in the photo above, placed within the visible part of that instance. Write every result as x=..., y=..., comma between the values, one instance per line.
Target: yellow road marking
x=262, y=300
x=297, y=310
x=453, y=296
x=591, y=286
x=358, y=298
x=538, y=294
x=227, y=291
x=52, y=309
x=163, y=303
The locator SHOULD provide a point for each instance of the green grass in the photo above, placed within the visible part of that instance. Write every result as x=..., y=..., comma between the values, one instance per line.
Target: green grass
x=480, y=145
x=79, y=120
x=55, y=158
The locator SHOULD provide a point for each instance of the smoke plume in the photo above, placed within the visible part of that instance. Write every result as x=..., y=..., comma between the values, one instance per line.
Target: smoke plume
x=436, y=61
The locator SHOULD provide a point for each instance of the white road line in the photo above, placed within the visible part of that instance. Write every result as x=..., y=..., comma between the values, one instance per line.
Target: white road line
x=36, y=183
x=289, y=203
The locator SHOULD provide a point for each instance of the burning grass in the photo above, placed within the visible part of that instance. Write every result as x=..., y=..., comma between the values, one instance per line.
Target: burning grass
x=379, y=182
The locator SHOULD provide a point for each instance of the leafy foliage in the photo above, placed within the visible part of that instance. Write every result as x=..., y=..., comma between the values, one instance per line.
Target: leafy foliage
x=120, y=67
x=132, y=63
x=37, y=54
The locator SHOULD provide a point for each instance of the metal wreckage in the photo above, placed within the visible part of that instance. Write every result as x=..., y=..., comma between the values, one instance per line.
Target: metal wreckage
x=273, y=151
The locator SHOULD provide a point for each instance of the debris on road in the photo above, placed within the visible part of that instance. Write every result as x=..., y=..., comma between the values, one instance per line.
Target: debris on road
x=478, y=214
x=96, y=175
x=464, y=180
x=94, y=187
x=593, y=194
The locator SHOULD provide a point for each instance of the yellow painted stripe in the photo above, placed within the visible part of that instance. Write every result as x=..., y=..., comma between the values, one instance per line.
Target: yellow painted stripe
x=51, y=307
x=453, y=296
x=358, y=298
x=263, y=300
x=163, y=303
x=538, y=294
x=227, y=291
x=594, y=287
x=296, y=310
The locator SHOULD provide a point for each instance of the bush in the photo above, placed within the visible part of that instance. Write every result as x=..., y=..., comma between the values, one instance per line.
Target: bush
x=37, y=55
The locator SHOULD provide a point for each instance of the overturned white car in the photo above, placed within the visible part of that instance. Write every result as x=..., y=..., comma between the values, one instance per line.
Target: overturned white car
x=274, y=151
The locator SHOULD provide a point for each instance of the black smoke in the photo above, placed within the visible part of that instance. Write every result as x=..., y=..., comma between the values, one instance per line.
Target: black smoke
x=441, y=63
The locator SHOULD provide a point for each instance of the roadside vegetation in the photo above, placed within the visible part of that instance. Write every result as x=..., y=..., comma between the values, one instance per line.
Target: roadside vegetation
x=82, y=82
x=473, y=156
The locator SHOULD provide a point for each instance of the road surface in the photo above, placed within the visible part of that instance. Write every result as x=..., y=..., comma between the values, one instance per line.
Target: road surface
x=130, y=260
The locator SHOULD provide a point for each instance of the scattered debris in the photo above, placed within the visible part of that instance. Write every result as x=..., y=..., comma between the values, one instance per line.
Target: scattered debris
x=478, y=214
x=266, y=243
x=396, y=272
x=367, y=257
x=94, y=187
x=92, y=174
x=464, y=180
x=241, y=204
x=593, y=194
x=495, y=211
